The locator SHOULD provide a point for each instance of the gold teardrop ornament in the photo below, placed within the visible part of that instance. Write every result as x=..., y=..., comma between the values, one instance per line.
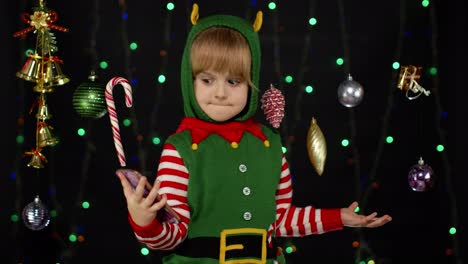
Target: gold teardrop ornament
x=316, y=147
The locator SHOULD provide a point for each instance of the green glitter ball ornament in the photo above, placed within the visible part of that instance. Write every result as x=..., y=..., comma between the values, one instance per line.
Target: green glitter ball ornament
x=89, y=100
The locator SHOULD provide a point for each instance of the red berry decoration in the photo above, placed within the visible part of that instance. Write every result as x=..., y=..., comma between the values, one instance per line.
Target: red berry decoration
x=273, y=106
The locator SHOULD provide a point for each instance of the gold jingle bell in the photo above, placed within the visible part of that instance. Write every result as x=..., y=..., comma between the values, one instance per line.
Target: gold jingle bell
x=45, y=138
x=51, y=76
x=36, y=162
x=54, y=75
x=41, y=87
x=43, y=112
x=32, y=69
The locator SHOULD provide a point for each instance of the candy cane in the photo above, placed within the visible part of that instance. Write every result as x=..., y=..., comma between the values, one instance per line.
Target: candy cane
x=113, y=114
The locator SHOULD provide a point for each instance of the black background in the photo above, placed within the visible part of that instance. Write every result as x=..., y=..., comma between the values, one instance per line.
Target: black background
x=419, y=231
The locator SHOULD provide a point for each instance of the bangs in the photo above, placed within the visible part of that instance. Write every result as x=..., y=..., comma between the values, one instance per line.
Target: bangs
x=221, y=50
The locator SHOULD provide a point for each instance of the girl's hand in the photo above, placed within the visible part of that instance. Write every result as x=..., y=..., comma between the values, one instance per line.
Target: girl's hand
x=142, y=209
x=351, y=219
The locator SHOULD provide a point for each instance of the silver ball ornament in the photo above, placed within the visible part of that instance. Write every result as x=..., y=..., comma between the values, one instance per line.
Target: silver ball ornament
x=350, y=92
x=35, y=215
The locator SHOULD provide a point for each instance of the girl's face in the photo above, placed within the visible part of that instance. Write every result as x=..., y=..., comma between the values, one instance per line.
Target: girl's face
x=220, y=95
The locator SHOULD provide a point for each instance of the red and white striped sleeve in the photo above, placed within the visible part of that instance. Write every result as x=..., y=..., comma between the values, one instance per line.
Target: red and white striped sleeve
x=173, y=177
x=292, y=221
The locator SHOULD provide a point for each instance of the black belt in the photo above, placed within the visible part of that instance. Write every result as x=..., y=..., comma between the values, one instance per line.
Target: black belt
x=209, y=247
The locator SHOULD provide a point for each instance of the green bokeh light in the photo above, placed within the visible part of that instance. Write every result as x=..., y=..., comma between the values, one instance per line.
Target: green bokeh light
x=309, y=89
x=28, y=51
x=357, y=210
x=312, y=21
x=104, y=65
x=284, y=149
x=425, y=3
x=162, y=78
x=396, y=65
x=433, y=71
x=144, y=251
x=452, y=231
x=272, y=5
x=170, y=6
x=344, y=142
x=156, y=140
x=440, y=148
x=14, y=218
x=389, y=139
x=81, y=132
x=20, y=139
x=288, y=79
x=127, y=122
x=85, y=205
x=72, y=238
x=133, y=46
x=53, y=213
x=339, y=61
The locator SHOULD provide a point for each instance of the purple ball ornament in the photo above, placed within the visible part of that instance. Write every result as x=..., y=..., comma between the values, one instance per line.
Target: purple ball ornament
x=36, y=215
x=421, y=177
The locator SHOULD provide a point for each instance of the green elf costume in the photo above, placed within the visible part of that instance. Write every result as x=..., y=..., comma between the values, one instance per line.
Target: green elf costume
x=228, y=182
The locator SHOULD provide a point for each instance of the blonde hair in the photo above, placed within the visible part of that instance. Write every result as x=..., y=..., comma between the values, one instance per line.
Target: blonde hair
x=221, y=49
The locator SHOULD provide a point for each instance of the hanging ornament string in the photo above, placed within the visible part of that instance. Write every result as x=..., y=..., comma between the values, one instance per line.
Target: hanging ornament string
x=90, y=97
x=16, y=165
x=315, y=139
x=280, y=83
x=447, y=168
x=388, y=110
x=129, y=75
x=364, y=198
x=159, y=98
x=113, y=114
x=352, y=126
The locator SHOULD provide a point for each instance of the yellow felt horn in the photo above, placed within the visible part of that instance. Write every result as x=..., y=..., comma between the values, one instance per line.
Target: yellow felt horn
x=258, y=21
x=194, y=16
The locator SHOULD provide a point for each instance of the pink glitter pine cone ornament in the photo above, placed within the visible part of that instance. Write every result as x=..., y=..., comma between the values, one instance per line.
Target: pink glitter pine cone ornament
x=273, y=103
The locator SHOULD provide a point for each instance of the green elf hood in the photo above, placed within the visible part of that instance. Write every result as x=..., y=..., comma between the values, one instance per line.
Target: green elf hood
x=191, y=107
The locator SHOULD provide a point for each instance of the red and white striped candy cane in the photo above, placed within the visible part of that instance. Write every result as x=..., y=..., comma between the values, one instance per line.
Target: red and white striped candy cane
x=113, y=114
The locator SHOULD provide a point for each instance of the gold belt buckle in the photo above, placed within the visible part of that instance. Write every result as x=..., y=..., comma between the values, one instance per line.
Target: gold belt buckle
x=239, y=231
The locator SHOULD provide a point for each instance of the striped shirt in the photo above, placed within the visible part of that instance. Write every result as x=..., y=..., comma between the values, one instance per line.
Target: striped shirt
x=291, y=221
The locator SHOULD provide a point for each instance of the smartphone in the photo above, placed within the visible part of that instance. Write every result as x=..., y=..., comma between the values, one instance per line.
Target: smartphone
x=133, y=178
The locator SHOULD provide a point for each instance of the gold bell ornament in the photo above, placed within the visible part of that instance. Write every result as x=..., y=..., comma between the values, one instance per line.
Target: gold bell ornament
x=43, y=112
x=32, y=68
x=54, y=75
x=37, y=159
x=44, y=136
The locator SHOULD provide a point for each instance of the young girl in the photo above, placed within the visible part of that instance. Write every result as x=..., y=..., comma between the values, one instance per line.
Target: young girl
x=223, y=173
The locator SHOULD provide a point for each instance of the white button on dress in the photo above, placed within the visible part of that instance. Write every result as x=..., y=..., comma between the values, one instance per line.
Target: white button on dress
x=242, y=168
x=247, y=216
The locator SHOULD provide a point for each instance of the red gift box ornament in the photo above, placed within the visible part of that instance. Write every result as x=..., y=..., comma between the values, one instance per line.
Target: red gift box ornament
x=273, y=106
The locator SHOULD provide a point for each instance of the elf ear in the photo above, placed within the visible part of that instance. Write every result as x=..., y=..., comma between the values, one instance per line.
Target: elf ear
x=258, y=21
x=194, y=16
